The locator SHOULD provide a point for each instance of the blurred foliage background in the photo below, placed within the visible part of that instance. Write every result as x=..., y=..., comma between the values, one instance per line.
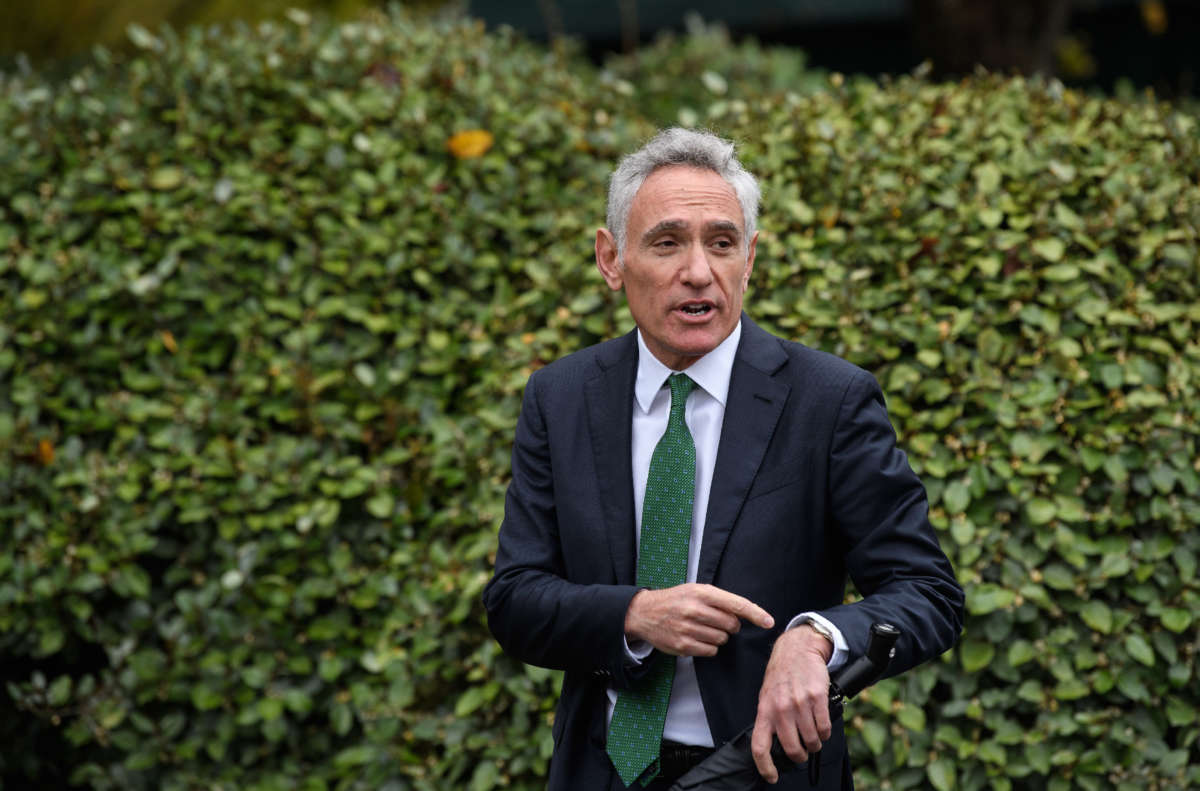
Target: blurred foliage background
x=57, y=29
x=269, y=295
x=1104, y=43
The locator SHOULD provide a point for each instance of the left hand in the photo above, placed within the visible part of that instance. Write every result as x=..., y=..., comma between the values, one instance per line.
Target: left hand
x=793, y=703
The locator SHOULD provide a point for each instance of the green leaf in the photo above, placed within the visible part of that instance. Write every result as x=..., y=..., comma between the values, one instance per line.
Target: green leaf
x=342, y=719
x=330, y=667
x=365, y=374
x=1098, y=616
x=270, y=709
x=1062, y=171
x=942, y=774
x=911, y=717
x=381, y=505
x=1020, y=652
x=141, y=37
x=1115, y=468
x=60, y=691
x=1185, y=561
x=947, y=198
x=1163, y=477
x=993, y=753
x=470, y=700
x=962, y=531
x=987, y=597
x=976, y=655
x=485, y=777
x=1180, y=713
x=50, y=641
x=1063, y=273
x=1070, y=509
x=930, y=358
x=1050, y=248
x=875, y=734
x=987, y=177
x=205, y=698
x=1092, y=458
x=1071, y=689
x=1139, y=649
x=956, y=497
x=1132, y=687
x=1067, y=218
x=1059, y=577
x=1030, y=691
x=991, y=218
x=991, y=345
x=355, y=756
x=1038, y=756
x=1040, y=510
x=1176, y=619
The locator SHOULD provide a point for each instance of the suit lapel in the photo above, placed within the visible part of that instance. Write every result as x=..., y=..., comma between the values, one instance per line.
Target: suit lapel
x=752, y=410
x=609, y=397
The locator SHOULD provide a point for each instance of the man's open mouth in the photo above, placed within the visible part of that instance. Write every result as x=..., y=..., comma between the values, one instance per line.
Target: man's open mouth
x=696, y=308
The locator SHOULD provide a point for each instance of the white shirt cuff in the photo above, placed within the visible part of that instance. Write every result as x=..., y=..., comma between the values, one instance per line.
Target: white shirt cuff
x=841, y=650
x=636, y=654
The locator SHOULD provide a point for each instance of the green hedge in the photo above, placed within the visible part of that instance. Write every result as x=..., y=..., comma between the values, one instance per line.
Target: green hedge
x=264, y=334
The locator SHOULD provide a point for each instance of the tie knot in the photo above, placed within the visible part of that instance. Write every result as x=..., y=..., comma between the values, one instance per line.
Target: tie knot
x=681, y=385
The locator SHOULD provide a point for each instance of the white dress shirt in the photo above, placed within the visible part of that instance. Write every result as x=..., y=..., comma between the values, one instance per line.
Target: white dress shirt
x=704, y=415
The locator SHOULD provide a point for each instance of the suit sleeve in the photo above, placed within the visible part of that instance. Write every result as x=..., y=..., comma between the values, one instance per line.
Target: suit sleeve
x=892, y=552
x=535, y=612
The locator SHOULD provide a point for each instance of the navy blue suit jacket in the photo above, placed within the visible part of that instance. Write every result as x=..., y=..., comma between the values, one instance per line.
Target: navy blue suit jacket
x=809, y=487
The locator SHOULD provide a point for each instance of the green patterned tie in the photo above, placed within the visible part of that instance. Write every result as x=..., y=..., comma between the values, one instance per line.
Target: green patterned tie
x=636, y=730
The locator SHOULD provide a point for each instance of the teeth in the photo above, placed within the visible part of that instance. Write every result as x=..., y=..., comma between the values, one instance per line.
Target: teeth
x=695, y=310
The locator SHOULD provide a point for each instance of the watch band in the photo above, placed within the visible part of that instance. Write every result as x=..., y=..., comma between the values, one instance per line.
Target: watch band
x=820, y=629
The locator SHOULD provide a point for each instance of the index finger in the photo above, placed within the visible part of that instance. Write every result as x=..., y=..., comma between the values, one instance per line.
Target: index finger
x=741, y=607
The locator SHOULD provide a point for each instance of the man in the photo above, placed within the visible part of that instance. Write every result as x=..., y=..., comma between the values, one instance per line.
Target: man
x=687, y=501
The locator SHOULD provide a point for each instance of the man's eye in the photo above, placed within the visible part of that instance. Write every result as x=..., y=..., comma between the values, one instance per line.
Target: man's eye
x=722, y=244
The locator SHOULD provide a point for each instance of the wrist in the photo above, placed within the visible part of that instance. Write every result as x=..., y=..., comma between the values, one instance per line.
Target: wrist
x=817, y=638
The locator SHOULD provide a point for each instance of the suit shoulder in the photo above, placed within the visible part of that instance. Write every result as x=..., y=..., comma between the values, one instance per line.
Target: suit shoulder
x=579, y=366
x=824, y=369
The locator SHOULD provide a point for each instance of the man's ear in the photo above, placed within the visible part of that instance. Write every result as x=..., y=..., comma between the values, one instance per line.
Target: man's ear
x=607, y=260
x=751, y=250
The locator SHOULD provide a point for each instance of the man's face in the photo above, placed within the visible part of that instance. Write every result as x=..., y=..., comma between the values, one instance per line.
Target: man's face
x=686, y=265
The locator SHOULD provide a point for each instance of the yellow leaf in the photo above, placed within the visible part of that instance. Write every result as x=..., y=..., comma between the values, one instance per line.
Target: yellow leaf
x=168, y=340
x=470, y=144
x=45, y=452
x=1154, y=15
x=166, y=178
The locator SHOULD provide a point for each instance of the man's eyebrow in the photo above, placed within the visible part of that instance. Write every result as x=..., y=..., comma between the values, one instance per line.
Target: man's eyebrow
x=727, y=226
x=724, y=225
x=665, y=225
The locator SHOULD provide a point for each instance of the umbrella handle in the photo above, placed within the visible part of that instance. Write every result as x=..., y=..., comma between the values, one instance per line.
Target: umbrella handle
x=854, y=678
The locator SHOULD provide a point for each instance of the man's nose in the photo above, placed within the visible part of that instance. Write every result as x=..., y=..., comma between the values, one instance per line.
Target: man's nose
x=697, y=271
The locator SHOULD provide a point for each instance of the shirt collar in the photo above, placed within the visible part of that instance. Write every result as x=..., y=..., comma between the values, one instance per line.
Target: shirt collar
x=711, y=372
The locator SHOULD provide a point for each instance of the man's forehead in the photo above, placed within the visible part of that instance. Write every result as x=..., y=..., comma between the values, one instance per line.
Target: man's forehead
x=689, y=175
x=681, y=187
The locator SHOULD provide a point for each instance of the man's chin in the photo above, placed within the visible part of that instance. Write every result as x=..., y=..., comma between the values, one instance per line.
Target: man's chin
x=701, y=339
x=693, y=346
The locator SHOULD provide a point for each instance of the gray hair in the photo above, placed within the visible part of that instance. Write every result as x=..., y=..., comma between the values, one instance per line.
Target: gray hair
x=678, y=146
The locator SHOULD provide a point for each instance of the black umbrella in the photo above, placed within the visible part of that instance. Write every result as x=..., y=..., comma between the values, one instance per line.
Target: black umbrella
x=732, y=768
